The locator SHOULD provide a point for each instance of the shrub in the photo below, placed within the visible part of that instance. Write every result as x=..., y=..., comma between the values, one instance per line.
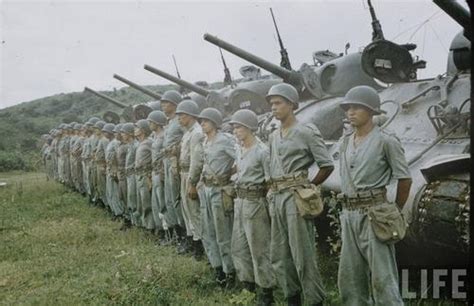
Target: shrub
x=11, y=161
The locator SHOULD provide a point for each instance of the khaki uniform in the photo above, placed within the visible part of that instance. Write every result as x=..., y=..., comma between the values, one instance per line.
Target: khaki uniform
x=76, y=163
x=293, y=250
x=86, y=163
x=219, y=156
x=101, y=168
x=131, y=182
x=94, y=143
x=251, y=233
x=144, y=184
x=191, y=162
x=172, y=139
x=366, y=264
x=112, y=193
x=122, y=178
x=158, y=190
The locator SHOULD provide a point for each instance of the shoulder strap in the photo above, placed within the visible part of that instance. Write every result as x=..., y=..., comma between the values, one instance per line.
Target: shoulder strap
x=343, y=149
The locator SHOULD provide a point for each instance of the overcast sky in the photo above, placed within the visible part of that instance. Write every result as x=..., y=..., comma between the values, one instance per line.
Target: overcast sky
x=49, y=47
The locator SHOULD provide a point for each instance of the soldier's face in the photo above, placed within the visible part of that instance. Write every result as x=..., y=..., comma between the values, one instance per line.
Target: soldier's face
x=168, y=107
x=241, y=132
x=358, y=115
x=207, y=126
x=281, y=108
x=138, y=132
x=184, y=120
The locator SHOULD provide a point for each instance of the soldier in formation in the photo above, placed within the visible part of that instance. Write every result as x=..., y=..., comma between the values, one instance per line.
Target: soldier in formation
x=239, y=201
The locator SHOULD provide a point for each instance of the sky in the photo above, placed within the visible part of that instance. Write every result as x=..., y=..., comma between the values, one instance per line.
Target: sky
x=52, y=47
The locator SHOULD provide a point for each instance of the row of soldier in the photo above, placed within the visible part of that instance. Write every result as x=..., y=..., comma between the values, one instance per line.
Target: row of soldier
x=232, y=197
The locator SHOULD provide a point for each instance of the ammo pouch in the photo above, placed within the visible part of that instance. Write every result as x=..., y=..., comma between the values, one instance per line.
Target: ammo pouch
x=308, y=201
x=387, y=222
x=228, y=196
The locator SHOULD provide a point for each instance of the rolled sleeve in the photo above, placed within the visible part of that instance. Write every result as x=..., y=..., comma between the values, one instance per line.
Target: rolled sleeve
x=396, y=158
x=318, y=148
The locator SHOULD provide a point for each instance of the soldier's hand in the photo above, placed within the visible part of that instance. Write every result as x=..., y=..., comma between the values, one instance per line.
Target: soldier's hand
x=192, y=192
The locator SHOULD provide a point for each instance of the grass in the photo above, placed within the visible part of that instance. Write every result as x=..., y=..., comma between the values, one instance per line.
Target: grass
x=56, y=249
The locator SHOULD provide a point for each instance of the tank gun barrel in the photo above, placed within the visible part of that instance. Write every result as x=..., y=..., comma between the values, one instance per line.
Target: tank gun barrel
x=111, y=100
x=458, y=13
x=172, y=78
x=289, y=76
x=138, y=87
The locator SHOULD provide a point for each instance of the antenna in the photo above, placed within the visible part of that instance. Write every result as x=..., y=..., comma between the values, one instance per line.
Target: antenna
x=377, y=33
x=285, y=60
x=227, y=77
x=181, y=88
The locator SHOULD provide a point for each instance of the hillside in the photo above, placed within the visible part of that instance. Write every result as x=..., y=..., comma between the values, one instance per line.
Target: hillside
x=22, y=125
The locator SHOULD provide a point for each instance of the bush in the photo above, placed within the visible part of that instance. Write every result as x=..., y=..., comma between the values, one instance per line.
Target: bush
x=11, y=161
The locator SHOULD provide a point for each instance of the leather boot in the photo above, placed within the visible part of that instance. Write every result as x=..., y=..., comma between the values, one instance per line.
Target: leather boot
x=230, y=280
x=294, y=300
x=265, y=297
x=220, y=276
x=249, y=286
x=185, y=246
x=198, y=250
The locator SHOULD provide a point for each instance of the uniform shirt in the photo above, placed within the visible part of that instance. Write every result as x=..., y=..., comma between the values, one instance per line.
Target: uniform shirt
x=297, y=151
x=156, y=151
x=190, y=158
x=376, y=160
x=253, y=165
x=111, y=156
x=86, y=149
x=77, y=147
x=130, y=157
x=100, y=151
x=173, y=133
x=121, y=158
x=143, y=157
x=219, y=155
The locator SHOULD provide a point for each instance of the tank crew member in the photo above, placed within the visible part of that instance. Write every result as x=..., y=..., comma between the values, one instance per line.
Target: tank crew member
x=251, y=232
x=217, y=214
x=128, y=137
x=294, y=147
x=369, y=159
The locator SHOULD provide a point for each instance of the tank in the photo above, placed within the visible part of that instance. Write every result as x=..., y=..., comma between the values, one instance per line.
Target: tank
x=129, y=113
x=431, y=117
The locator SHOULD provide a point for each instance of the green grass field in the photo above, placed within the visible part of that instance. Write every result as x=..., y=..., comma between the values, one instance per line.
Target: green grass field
x=56, y=249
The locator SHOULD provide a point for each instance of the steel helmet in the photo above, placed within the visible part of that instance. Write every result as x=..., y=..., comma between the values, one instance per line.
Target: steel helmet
x=62, y=126
x=362, y=95
x=68, y=126
x=93, y=120
x=143, y=124
x=158, y=117
x=128, y=128
x=154, y=105
x=109, y=128
x=118, y=128
x=286, y=91
x=188, y=107
x=212, y=115
x=246, y=118
x=78, y=126
x=172, y=96
x=99, y=124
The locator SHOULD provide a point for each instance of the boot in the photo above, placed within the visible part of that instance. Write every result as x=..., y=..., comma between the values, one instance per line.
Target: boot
x=249, y=286
x=198, y=250
x=186, y=245
x=160, y=236
x=126, y=224
x=230, y=280
x=220, y=276
x=265, y=297
x=294, y=300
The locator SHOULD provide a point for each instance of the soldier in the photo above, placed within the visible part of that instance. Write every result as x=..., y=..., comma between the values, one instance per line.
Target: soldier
x=76, y=160
x=46, y=155
x=95, y=139
x=251, y=232
x=112, y=192
x=172, y=139
x=369, y=159
x=190, y=164
x=86, y=155
x=54, y=152
x=128, y=132
x=157, y=121
x=216, y=207
x=143, y=175
x=63, y=152
x=106, y=135
x=294, y=147
x=121, y=176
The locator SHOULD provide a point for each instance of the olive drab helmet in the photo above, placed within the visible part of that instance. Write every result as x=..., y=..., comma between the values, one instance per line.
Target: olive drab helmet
x=286, y=91
x=99, y=124
x=362, y=95
x=154, y=105
x=157, y=117
x=109, y=128
x=77, y=126
x=93, y=120
x=128, y=128
x=212, y=115
x=188, y=107
x=143, y=125
x=246, y=118
x=172, y=96
x=118, y=128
